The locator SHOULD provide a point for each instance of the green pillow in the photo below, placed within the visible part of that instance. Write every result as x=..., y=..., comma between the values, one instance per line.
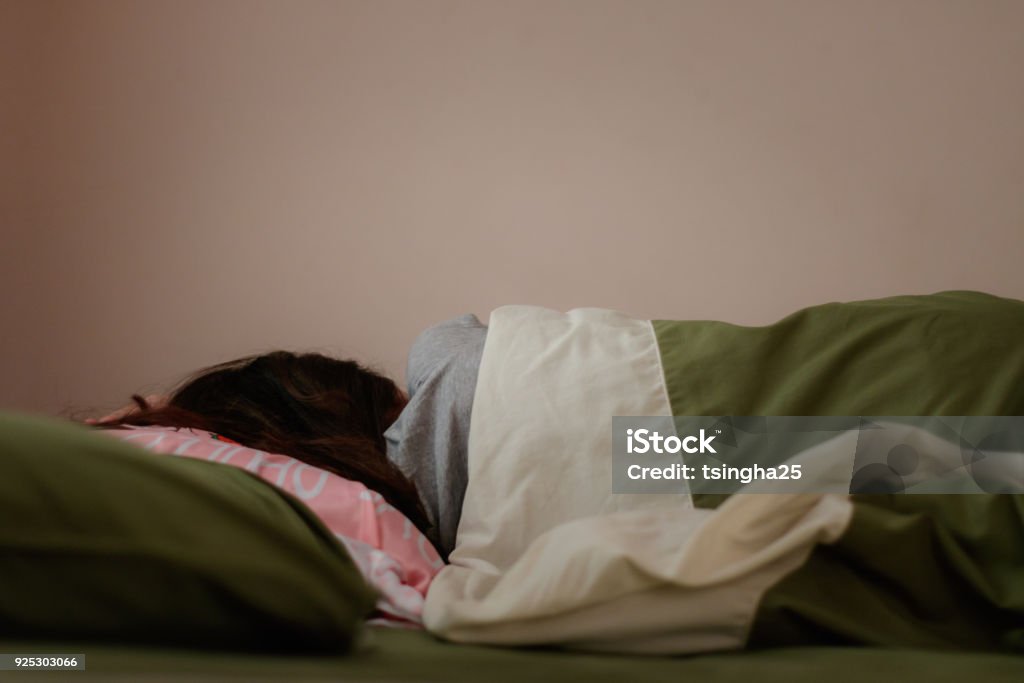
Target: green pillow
x=102, y=540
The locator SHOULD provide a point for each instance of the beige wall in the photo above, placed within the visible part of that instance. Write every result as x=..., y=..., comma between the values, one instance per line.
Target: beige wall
x=189, y=181
x=27, y=308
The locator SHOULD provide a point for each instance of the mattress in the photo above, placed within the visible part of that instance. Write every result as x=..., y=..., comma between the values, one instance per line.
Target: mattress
x=401, y=655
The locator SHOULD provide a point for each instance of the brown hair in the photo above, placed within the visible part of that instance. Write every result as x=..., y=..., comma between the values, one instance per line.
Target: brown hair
x=326, y=412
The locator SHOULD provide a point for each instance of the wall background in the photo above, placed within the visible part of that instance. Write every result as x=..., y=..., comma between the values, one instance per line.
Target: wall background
x=184, y=182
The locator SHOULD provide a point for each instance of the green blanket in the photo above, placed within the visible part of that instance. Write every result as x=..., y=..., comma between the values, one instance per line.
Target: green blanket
x=953, y=353
x=917, y=571
x=943, y=571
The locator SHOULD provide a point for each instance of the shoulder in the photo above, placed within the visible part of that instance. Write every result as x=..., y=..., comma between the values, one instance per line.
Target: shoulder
x=444, y=343
x=464, y=328
x=449, y=345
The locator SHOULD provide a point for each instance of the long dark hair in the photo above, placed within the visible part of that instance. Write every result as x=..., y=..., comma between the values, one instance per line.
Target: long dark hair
x=326, y=412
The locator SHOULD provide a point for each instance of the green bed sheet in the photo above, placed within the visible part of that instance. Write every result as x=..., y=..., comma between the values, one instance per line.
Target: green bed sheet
x=398, y=656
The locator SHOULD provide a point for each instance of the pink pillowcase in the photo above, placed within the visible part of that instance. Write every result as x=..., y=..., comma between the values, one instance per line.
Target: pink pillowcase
x=391, y=552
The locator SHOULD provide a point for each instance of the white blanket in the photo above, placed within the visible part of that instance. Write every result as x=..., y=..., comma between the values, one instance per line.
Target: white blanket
x=546, y=554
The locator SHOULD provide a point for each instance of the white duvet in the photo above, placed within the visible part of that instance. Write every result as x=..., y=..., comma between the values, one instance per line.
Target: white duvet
x=546, y=554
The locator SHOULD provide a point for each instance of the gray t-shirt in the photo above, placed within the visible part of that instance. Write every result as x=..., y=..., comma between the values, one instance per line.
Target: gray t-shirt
x=429, y=439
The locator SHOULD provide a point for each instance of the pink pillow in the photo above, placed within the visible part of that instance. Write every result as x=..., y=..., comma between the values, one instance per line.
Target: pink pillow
x=392, y=553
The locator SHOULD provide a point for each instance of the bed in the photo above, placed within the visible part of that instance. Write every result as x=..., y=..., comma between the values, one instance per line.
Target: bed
x=162, y=568
x=399, y=656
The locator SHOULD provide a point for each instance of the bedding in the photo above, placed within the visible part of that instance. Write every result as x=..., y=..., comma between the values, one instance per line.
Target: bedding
x=547, y=555
x=101, y=540
x=389, y=550
x=400, y=656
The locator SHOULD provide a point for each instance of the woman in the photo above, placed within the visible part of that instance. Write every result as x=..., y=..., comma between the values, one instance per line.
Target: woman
x=339, y=416
x=554, y=558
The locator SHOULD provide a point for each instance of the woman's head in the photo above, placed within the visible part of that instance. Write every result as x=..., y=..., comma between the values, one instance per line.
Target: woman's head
x=326, y=412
